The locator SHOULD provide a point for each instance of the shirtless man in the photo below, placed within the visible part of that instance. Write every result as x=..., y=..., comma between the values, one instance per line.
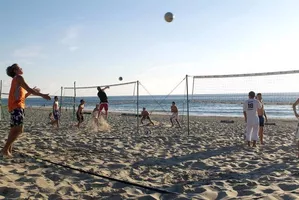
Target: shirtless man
x=175, y=114
x=145, y=115
x=250, y=108
x=261, y=113
x=79, y=113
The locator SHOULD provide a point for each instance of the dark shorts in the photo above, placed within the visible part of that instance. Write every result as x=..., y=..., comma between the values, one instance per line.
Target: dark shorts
x=56, y=114
x=17, y=117
x=80, y=117
x=262, y=120
x=104, y=105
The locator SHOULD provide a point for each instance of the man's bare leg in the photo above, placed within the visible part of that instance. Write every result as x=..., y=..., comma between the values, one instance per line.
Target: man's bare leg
x=261, y=134
x=13, y=135
x=151, y=121
x=254, y=143
x=177, y=121
x=55, y=123
x=99, y=114
x=106, y=114
x=248, y=143
x=171, y=122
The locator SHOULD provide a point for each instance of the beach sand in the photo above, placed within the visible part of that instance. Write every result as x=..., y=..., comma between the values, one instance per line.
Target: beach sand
x=213, y=162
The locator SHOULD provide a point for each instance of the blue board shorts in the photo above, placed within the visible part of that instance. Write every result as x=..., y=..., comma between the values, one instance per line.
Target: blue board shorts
x=17, y=117
x=56, y=114
x=262, y=120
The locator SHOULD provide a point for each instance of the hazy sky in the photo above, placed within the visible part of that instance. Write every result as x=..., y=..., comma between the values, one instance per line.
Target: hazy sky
x=93, y=42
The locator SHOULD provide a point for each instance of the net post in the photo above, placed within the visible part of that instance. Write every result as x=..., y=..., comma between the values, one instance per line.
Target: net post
x=137, y=104
x=192, y=87
x=74, y=101
x=1, y=100
x=187, y=91
x=61, y=91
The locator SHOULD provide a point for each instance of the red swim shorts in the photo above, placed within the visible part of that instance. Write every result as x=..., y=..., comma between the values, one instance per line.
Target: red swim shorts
x=104, y=105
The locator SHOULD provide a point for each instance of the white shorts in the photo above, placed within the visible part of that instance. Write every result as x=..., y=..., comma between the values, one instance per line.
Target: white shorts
x=174, y=116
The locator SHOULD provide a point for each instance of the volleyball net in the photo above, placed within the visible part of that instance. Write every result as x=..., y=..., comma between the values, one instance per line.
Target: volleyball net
x=223, y=95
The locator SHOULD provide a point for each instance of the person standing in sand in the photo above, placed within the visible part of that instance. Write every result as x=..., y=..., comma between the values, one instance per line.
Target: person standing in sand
x=145, y=115
x=175, y=114
x=95, y=114
x=103, y=100
x=261, y=113
x=19, y=91
x=250, y=109
x=56, y=114
x=79, y=113
x=297, y=130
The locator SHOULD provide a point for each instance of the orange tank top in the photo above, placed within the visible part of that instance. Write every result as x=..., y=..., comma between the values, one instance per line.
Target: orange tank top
x=16, y=98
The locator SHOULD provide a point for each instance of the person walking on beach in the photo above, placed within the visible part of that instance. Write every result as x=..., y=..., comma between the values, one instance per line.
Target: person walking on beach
x=250, y=109
x=19, y=91
x=79, y=113
x=56, y=114
x=145, y=115
x=297, y=130
x=103, y=100
x=175, y=115
x=261, y=113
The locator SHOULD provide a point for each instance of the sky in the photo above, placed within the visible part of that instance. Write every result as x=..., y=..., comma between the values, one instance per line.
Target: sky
x=94, y=42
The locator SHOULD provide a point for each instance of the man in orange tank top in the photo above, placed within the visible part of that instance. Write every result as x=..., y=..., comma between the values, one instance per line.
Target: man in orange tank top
x=19, y=91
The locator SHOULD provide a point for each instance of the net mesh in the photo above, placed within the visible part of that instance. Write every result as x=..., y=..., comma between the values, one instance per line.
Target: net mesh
x=122, y=100
x=223, y=95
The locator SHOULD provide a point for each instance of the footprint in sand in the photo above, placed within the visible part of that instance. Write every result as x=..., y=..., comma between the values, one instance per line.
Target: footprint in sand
x=9, y=193
x=268, y=191
x=288, y=187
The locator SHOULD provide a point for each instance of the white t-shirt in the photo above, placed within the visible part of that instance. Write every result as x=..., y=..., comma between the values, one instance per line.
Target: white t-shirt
x=251, y=106
x=55, y=106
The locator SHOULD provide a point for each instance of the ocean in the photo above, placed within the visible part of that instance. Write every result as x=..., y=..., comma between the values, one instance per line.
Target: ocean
x=277, y=105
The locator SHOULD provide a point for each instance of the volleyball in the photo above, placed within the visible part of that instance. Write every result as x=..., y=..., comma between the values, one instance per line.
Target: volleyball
x=168, y=17
x=120, y=78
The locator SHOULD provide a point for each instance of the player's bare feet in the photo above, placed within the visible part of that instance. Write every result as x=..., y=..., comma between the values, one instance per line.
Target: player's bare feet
x=254, y=144
x=6, y=154
x=248, y=143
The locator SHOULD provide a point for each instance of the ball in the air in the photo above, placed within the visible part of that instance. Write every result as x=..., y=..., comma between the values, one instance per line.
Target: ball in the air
x=168, y=17
x=120, y=78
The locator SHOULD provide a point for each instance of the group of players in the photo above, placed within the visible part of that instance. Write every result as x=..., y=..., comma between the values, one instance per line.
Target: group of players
x=55, y=114
x=253, y=110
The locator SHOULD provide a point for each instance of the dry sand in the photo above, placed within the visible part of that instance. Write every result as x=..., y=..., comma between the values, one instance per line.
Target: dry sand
x=213, y=162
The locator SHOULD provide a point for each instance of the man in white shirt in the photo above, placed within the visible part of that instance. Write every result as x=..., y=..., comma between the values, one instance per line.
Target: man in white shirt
x=250, y=111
